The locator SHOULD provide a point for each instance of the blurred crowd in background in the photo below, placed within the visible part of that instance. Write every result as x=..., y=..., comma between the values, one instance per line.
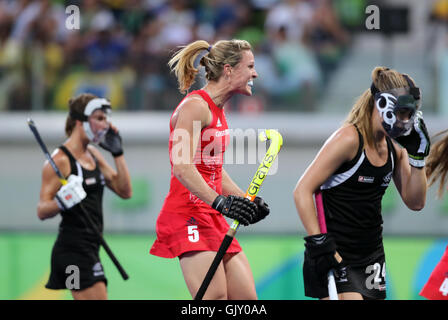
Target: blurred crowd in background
x=122, y=48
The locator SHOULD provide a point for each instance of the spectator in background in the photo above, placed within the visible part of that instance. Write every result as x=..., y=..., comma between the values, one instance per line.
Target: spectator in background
x=298, y=72
x=293, y=15
x=171, y=24
x=8, y=55
x=176, y=21
x=133, y=17
x=107, y=49
x=291, y=73
x=326, y=37
x=105, y=72
x=46, y=57
x=76, y=41
x=150, y=64
x=226, y=17
x=437, y=29
x=6, y=21
x=89, y=10
x=131, y=41
x=436, y=51
x=26, y=77
x=29, y=11
x=12, y=7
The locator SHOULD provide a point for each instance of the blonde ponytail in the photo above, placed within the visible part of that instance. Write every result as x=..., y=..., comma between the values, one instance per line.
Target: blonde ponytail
x=182, y=64
x=222, y=53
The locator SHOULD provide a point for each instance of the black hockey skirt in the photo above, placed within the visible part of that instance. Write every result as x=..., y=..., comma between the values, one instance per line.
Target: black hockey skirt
x=75, y=263
x=367, y=278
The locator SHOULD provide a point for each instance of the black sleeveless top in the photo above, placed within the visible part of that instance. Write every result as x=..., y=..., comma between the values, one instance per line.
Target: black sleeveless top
x=73, y=220
x=352, y=202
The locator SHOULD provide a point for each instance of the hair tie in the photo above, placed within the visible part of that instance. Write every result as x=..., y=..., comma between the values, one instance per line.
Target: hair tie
x=209, y=48
x=373, y=89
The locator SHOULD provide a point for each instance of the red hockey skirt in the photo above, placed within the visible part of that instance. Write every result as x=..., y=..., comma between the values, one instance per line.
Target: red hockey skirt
x=180, y=233
x=437, y=286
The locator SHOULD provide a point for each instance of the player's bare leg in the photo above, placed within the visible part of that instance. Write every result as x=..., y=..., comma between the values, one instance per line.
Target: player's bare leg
x=96, y=292
x=194, y=266
x=240, y=281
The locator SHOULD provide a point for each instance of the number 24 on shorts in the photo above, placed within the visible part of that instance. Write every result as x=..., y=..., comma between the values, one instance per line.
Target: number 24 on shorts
x=377, y=275
x=193, y=233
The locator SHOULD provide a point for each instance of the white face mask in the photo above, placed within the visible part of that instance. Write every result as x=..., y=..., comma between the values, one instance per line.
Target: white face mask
x=95, y=135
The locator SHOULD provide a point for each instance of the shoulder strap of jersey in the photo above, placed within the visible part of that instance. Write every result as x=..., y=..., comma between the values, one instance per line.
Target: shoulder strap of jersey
x=213, y=107
x=361, y=139
x=391, y=148
x=206, y=97
x=94, y=158
x=349, y=164
x=75, y=167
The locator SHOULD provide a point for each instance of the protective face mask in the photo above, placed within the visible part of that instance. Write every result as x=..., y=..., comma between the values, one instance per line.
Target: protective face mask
x=390, y=104
x=95, y=135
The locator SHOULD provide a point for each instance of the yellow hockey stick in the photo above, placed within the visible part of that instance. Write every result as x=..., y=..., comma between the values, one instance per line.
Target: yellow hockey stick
x=251, y=193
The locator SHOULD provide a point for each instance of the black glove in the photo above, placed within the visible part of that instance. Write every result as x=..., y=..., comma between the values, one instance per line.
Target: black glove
x=416, y=142
x=112, y=143
x=320, y=250
x=235, y=207
x=263, y=209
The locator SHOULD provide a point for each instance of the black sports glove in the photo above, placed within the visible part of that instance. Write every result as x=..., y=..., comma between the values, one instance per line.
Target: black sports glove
x=235, y=207
x=262, y=209
x=320, y=249
x=416, y=142
x=112, y=143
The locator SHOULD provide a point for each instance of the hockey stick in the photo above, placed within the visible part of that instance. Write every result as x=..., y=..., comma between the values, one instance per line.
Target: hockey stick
x=251, y=193
x=85, y=215
x=332, y=292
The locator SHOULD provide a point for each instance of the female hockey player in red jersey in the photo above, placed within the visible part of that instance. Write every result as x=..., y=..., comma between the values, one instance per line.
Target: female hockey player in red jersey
x=191, y=225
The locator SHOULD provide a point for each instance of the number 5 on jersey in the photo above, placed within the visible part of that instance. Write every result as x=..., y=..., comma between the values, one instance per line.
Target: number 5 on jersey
x=193, y=233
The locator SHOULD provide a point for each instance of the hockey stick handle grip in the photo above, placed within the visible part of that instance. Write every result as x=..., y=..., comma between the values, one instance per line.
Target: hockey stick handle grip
x=251, y=193
x=269, y=158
